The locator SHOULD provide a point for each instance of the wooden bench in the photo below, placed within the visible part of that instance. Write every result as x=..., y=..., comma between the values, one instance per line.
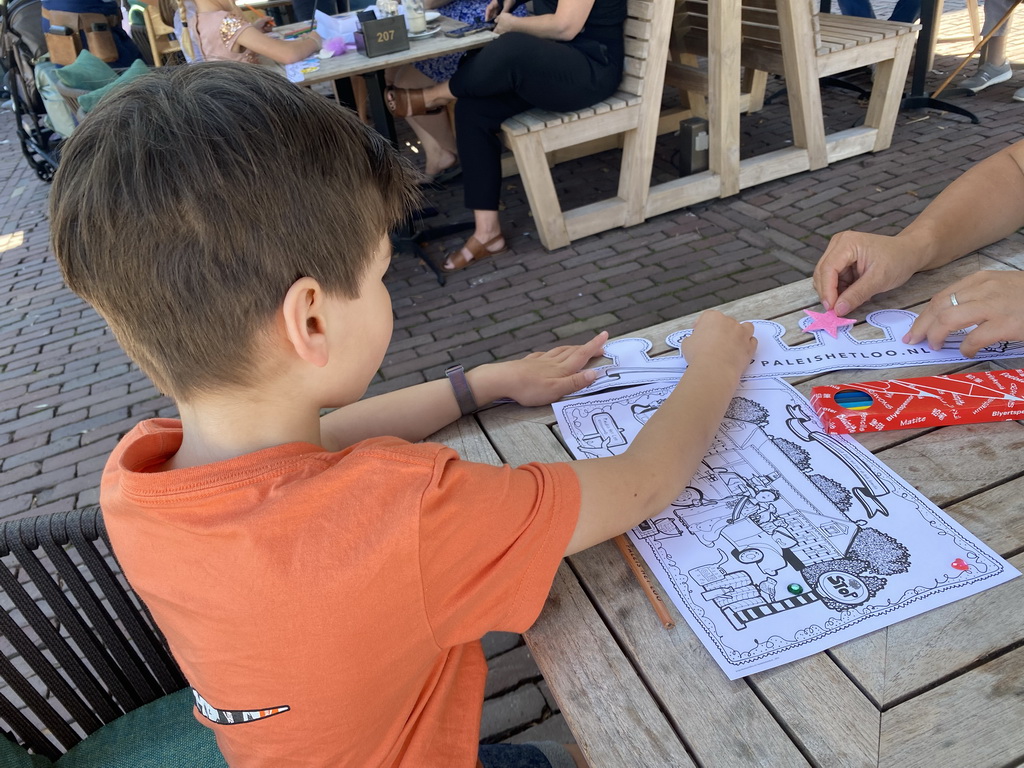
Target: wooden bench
x=633, y=112
x=685, y=73
x=792, y=39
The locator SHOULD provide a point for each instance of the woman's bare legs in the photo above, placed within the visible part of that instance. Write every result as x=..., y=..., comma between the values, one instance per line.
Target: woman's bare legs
x=488, y=227
x=433, y=131
x=437, y=95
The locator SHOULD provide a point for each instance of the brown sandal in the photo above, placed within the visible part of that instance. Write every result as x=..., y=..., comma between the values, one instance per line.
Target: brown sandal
x=477, y=250
x=405, y=102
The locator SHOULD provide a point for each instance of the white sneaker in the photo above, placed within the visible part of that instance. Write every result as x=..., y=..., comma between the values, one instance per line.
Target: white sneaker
x=987, y=75
x=1018, y=95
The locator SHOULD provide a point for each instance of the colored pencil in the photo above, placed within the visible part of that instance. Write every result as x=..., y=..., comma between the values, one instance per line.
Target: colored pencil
x=633, y=561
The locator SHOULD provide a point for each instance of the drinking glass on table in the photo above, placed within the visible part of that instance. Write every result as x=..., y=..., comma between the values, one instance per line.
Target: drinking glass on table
x=415, y=16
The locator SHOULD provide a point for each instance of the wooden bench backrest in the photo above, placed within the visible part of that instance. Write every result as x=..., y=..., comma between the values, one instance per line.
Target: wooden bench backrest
x=638, y=30
x=760, y=22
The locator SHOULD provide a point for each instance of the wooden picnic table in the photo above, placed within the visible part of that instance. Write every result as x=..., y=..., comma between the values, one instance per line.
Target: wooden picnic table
x=945, y=688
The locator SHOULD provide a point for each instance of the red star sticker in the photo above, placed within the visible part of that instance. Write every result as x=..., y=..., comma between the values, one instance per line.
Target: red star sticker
x=827, y=321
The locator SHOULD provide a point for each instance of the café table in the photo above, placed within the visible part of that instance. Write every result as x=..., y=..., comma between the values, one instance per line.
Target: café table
x=338, y=70
x=945, y=688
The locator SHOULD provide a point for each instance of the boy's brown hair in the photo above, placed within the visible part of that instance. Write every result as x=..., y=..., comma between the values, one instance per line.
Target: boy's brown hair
x=189, y=201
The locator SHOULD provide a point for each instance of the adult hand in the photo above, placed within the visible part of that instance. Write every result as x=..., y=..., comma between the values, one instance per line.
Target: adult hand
x=858, y=265
x=990, y=300
x=496, y=7
x=720, y=340
x=506, y=22
x=543, y=377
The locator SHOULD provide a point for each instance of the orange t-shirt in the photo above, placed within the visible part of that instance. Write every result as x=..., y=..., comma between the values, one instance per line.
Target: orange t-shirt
x=327, y=607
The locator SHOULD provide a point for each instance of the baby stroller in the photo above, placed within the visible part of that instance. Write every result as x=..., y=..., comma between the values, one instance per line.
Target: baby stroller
x=21, y=46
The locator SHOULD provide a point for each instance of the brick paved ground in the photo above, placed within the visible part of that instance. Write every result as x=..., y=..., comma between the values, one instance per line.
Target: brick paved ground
x=67, y=393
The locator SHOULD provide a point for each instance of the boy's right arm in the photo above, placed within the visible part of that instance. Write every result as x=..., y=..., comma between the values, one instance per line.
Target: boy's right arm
x=619, y=492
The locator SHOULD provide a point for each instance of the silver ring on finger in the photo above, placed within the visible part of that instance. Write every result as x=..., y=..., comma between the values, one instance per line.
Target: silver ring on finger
x=953, y=301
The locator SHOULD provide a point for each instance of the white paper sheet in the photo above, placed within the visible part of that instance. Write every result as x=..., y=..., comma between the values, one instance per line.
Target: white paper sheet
x=297, y=72
x=632, y=366
x=336, y=26
x=788, y=541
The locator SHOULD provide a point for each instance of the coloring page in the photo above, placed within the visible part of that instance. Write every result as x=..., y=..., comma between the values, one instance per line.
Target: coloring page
x=774, y=358
x=787, y=541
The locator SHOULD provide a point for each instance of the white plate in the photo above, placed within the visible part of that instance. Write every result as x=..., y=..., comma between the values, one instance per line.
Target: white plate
x=432, y=16
x=428, y=33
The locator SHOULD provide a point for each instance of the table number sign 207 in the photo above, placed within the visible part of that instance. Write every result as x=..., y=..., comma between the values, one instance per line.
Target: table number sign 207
x=382, y=36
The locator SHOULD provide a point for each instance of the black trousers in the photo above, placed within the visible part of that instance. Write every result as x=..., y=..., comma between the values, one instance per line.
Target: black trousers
x=511, y=74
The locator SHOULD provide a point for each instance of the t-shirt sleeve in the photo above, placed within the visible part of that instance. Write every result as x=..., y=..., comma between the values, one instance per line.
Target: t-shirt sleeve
x=491, y=539
x=229, y=28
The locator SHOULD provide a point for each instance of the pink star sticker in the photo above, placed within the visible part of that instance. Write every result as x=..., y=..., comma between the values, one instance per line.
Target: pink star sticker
x=827, y=321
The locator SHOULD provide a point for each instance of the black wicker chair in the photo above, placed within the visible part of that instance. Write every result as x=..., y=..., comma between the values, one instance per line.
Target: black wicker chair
x=79, y=648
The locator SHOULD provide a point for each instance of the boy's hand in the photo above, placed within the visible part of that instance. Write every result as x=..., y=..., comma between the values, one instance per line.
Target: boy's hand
x=539, y=378
x=721, y=341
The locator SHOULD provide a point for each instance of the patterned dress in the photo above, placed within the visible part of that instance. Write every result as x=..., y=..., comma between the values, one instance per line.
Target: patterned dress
x=218, y=32
x=465, y=11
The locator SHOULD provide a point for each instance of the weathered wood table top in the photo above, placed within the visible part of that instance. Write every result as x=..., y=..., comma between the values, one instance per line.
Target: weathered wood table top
x=357, y=63
x=942, y=689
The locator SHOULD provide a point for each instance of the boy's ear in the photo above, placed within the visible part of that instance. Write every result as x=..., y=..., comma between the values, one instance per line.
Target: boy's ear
x=304, y=315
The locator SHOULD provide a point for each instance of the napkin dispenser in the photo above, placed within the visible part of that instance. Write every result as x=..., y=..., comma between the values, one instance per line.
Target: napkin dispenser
x=377, y=37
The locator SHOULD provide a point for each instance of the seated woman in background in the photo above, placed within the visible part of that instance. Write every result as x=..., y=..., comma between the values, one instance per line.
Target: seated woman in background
x=435, y=131
x=569, y=56
x=221, y=34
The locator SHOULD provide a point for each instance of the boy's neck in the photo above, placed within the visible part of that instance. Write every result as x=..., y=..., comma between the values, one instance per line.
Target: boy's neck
x=222, y=427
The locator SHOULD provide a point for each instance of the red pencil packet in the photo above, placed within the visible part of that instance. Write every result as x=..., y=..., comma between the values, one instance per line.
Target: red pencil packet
x=928, y=401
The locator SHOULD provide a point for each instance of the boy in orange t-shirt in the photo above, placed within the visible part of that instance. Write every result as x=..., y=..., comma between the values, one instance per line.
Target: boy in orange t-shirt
x=323, y=582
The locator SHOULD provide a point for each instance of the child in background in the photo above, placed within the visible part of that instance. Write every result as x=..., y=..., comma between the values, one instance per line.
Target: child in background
x=324, y=582
x=221, y=34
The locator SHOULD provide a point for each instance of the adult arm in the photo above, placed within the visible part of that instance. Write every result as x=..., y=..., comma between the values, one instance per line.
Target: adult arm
x=981, y=207
x=619, y=492
x=564, y=24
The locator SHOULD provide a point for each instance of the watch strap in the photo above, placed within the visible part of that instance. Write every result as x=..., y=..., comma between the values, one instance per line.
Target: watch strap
x=463, y=394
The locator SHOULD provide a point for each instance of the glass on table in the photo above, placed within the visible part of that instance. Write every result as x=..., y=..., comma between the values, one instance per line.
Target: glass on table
x=415, y=16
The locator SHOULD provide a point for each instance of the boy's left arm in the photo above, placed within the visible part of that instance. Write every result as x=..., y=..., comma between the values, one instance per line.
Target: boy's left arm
x=414, y=413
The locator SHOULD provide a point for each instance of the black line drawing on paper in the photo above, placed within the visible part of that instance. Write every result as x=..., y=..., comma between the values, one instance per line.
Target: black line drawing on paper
x=754, y=520
x=787, y=540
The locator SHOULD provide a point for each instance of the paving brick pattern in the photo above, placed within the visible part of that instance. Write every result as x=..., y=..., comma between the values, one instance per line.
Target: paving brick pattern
x=67, y=393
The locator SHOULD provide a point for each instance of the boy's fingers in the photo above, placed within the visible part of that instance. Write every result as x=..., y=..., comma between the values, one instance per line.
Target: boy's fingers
x=578, y=380
x=584, y=353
